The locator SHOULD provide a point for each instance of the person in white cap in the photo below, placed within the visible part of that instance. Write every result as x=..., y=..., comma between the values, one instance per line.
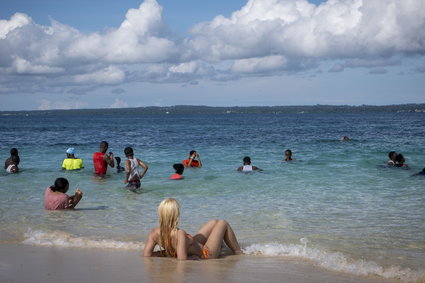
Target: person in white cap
x=71, y=162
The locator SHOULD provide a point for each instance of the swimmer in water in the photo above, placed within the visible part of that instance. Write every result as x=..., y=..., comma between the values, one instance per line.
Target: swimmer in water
x=119, y=167
x=191, y=161
x=71, y=162
x=400, y=161
x=392, y=158
x=288, y=155
x=9, y=161
x=345, y=138
x=247, y=167
x=179, y=168
x=175, y=242
x=13, y=165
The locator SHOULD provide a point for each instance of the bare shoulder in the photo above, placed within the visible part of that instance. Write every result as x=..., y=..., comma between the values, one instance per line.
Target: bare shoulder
x=155, y=234
x=181, y=232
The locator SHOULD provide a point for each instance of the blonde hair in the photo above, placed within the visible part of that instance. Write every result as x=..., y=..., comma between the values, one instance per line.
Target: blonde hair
x=169, y=215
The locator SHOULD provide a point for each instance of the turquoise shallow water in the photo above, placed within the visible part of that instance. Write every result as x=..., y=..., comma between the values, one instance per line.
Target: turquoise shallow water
x=337, y=205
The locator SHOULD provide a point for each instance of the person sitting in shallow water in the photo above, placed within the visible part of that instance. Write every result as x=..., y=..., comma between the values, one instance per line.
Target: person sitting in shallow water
x=392, y=158
x=288, y=155
x=400, y=161
x=179, y=172
x=175, y=242
x=247, y=167
x=71, y=162
x=55, y=196
x=9, y=161
x=13, y=164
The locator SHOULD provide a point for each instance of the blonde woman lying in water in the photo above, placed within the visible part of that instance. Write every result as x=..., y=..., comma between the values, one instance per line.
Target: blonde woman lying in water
x=175, y=242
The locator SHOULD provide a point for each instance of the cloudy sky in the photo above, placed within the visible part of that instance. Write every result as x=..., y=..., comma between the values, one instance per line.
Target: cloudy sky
x=57, y=54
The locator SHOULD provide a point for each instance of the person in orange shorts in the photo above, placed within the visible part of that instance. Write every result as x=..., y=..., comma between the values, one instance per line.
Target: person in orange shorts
x=175, y=242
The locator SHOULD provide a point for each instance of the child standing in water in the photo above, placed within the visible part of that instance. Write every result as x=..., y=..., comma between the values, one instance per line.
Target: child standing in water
x=132, y=176
x=56, y=198
x=119, y=167
x=179, y=172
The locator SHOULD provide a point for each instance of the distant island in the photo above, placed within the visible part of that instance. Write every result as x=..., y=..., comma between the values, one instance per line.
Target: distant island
x=192, y=109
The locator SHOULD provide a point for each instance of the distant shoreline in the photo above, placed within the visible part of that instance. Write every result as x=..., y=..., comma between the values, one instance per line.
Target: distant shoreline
x=199, y=109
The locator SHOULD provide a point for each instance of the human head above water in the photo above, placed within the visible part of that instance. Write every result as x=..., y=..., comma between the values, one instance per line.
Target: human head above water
x=400, y=158
x=247, y=160
x=70, y=152
x=179, y=168
x=392, y=155
x=13, y=151
x=288, y=152
x=118, y=159
x=104, y=146
x=61, y=185
x=128, y=151
x=15, y=159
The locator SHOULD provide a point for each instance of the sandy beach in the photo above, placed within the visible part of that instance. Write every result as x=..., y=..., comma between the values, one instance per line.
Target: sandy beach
x=23, y=263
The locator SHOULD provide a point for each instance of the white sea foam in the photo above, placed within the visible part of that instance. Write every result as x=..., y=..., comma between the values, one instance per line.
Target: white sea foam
x=331, y=261
x=334, y=261
x=63, y=239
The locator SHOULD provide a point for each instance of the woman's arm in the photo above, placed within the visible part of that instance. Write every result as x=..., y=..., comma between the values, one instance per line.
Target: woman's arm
x=150, y=244
x=75, y=199
x=181, y=245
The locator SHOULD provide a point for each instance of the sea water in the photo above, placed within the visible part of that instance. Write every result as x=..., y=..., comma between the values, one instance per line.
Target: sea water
x=337, y=204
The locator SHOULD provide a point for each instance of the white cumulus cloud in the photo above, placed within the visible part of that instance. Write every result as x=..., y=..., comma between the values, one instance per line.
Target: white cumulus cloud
x=16, y=21
x=298, y=29
x=262, y=38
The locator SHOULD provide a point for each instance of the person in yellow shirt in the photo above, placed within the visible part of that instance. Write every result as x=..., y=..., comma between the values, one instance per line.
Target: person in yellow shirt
x=71, y=162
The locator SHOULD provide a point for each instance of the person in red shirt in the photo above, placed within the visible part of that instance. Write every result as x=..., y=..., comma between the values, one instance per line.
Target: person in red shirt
x=191, y=162
x=101, y=160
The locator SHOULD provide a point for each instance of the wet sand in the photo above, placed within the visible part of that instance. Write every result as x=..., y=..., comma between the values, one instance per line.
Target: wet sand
x=22, y=263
